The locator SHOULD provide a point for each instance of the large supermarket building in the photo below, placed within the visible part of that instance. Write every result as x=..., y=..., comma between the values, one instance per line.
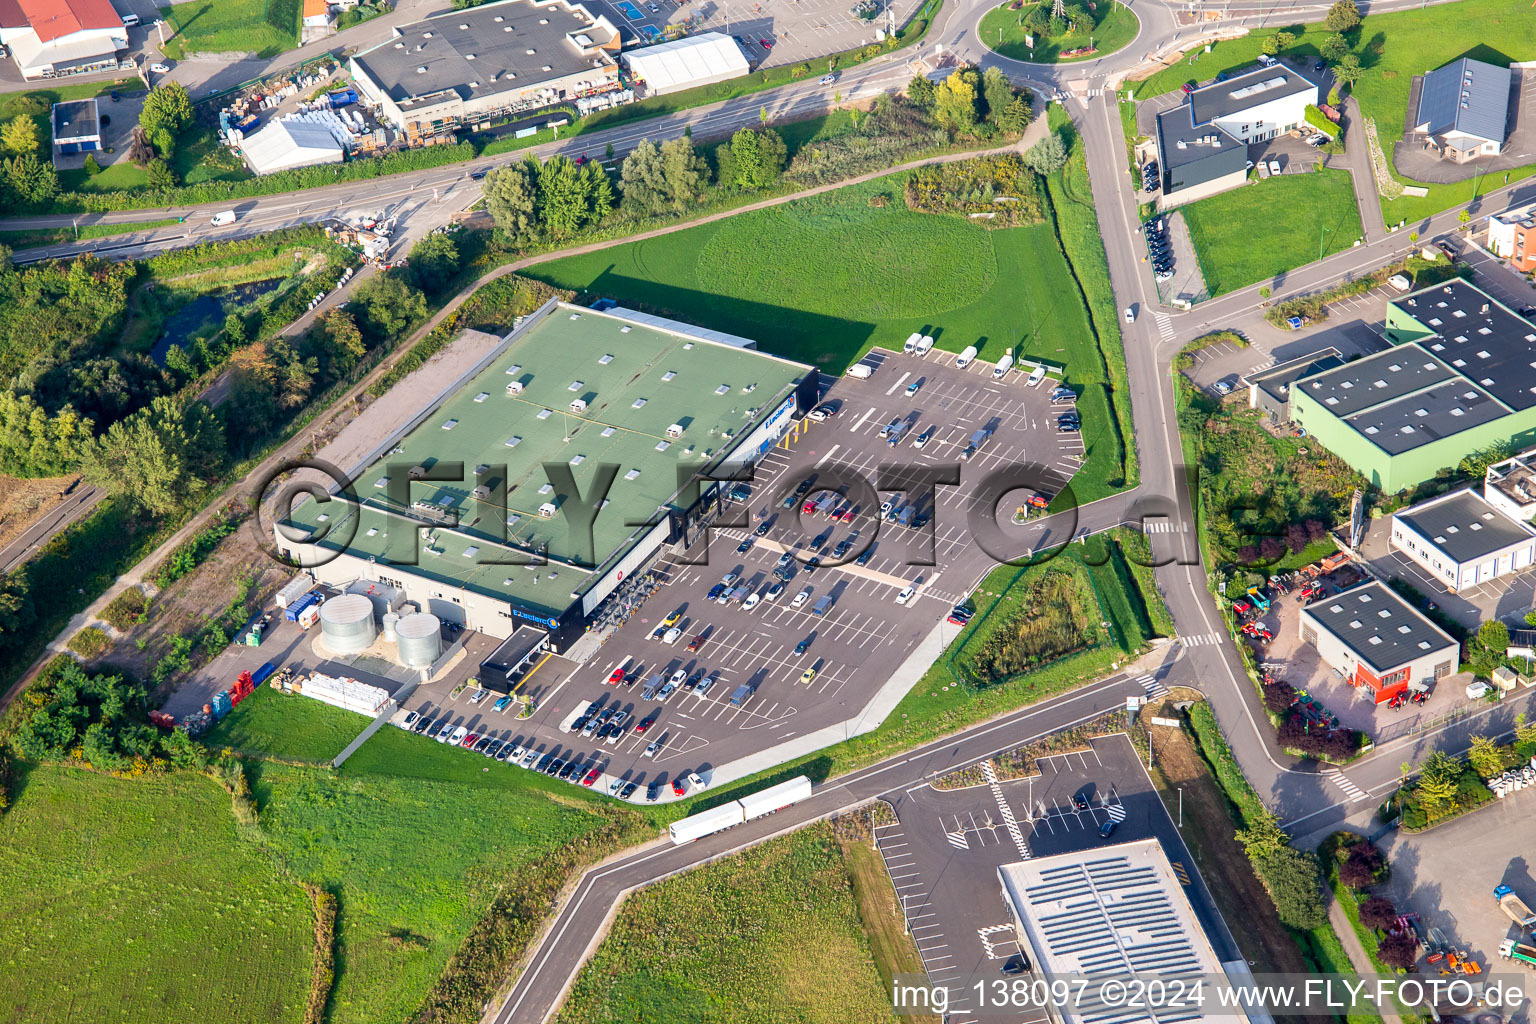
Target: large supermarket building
x=494, y=474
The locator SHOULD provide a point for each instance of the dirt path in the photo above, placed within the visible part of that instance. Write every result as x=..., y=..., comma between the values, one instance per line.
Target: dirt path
x=296, y=444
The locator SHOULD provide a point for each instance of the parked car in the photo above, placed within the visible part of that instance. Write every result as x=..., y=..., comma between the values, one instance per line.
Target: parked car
x=409, y=724
x=651, y=750
x=502, y=704
x=822, y=413
x=906, y=594
x=672, y=636
x=628, y=790
x=653, y=791
x=803, y=646
x=160, y=69
x=695, y=644
x=751, y=602
x=678, y=789
x=1477, y=690
x=696, y=781
x=645, y=723
x=773, y=592
x=590, y=777
x=458, y=735
x=801, y=598
x=478, y=696
x=807, y=676
x=1108, y=828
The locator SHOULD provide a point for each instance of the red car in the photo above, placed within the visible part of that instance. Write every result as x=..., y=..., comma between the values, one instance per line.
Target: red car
x=581, y=160
x=767, y=44
x=645, y=723
x=1038, y=501
x=695, y=643
x=1188, y=87
x=590, y=777
x=470, y=740
x=848, y=514
x=616, y=678
x=677, y=787
x=808, y=507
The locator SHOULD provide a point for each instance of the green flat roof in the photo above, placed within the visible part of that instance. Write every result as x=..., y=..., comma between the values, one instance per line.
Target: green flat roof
x=637, y=381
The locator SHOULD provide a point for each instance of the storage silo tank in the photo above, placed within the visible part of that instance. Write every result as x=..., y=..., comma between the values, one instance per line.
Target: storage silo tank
x=346, y=622
x=391, y=620
x=421, y=639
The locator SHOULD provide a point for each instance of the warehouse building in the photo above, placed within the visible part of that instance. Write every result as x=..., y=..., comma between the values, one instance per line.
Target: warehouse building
x=52, y=38
x=1460, y=378
x=484, y=510
x=1269, y=389
x=1202, y=144
x=1512, y=236
x=495, y=60
x=685, y=63
x=1463, y=110
x=290, y=142
x=1510, y=486
x=1111, y=912
x=76, y=127
x=1463, y=540
x=1378, y=642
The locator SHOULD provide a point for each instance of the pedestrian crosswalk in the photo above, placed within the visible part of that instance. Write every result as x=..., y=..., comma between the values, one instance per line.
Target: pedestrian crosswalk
x=1164, y=325
x=1350, y=790
x=989, y=947
x=1009, y=823
x=1153, y=686
x=1202, y=640
x=1163, y=526
x=1116, y=812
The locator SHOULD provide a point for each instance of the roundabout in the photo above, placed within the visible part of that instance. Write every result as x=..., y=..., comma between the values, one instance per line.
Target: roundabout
x=1021, y=30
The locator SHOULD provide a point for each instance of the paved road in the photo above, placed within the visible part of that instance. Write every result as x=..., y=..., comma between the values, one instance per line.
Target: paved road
x=70, y=510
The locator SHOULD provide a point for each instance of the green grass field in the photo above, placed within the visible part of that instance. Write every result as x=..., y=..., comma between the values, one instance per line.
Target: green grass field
x=265, y=27
x=1267, y=227
x=772, y=934
x=824, y=279
x=137, y=900
x=1392, y=49
x=287, y=727
x=1001, y=30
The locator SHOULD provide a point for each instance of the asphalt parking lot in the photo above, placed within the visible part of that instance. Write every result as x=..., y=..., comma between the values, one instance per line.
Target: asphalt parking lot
x=770, y=32
x=854, y=646
x=1353, y=327
x=1447, y=876
x=944, y=851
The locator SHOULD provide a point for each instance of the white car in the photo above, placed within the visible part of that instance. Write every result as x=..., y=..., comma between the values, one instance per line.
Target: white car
x=1130, y=315
x=516, y=756
x=774, y=592
x=801, y=598
x=695, y=781
x=160, y=69
x=729, y=578
x=458, y=735
x=906, y=594
x=651, y=750
x=751, y=602
x=1477, y=690
x=671, y=636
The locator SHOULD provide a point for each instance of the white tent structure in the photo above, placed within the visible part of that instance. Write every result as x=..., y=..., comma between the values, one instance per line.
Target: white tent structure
x=686, y=63
x=290, y=143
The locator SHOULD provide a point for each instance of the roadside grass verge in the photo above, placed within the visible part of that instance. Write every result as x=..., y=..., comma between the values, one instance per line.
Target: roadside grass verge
x=141, y=900
x=286, y=727
x=1269, y=227
x=62, y=236
x=771, y=933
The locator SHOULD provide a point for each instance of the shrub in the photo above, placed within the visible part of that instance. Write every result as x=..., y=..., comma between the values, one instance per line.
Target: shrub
x=1360, y=866
x=90, y=643
x=126, y=610
x=1398, y=951
x=1378, y=912
x=1279, y=696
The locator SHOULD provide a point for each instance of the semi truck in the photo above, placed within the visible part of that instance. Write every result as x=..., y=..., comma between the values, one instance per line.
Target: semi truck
x=1509, y=949
x=1515, y=909
x=753, y=805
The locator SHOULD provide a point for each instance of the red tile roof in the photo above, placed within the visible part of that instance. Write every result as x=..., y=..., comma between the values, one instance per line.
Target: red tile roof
x=54, y=19
x=11, y=15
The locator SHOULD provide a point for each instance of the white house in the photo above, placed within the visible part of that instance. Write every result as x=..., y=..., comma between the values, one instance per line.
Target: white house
x=1463, y=109
x=1461, y=539
x=49, y=38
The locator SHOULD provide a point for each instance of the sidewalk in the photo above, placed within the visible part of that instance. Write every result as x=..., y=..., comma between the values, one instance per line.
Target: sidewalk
x=1357, y=954
x=1357, y=161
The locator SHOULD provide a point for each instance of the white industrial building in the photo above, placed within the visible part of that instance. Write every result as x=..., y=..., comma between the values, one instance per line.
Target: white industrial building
x=1462, y=539
x=685, y=63
x=1378, y=642
x=51, y=38
x=1112, y=912
x=495, y=60
x=291, y=142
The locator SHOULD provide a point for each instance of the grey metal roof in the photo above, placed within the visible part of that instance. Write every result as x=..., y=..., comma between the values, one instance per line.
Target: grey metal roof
x=1415, y=420
x=1380, y=628
x=1242, y=92
x=1479, y=338
x=1464, y=526
x=1190, y=155
x=1467, y=96
x=1276, y=379
x=1374, y=380
x=500, y=47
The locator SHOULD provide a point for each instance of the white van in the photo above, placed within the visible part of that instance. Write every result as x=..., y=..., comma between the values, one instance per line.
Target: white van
x=966, y=356
x=221, y=219
x=1002, y=367
x=130, y=20
x=924, y=344
x=860, y=371
x=911, y=343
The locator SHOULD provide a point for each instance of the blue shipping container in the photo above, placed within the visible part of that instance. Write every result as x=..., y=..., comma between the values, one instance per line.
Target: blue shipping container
x=341, y=97
x=292, y=612
x=260, y=675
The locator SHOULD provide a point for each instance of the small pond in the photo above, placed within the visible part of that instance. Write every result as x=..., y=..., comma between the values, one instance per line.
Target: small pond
x=204, y=314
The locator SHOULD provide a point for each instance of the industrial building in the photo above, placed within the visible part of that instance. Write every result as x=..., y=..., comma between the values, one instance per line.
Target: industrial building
x=685, y=63
x=1462, y=111
x=499, y=59
x=1269, y=389
x=1463, y=540
x=1202, y=144
x=1461, y=377
x=1111, y=912
x=1512, y=236
x=557, y=467
x=1378, y=642
x=291, y=142
x=52, y=38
